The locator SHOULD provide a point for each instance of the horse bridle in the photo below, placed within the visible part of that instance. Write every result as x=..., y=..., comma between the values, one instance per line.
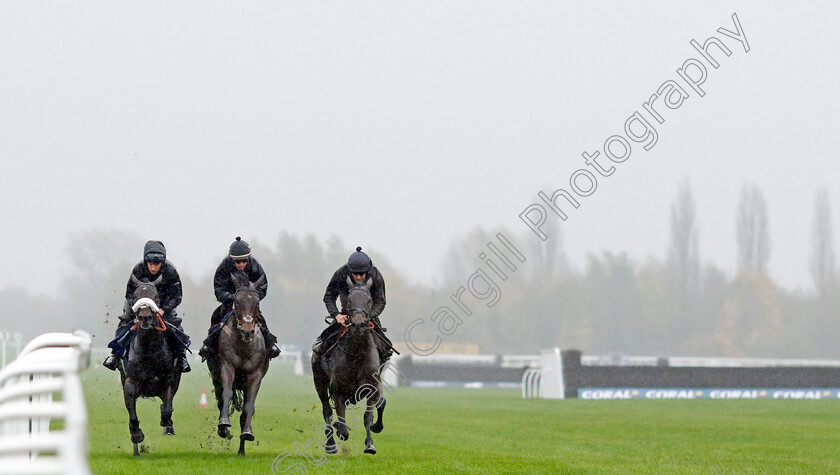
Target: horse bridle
x=248, y=318
x=151, y=305
x=353, y=311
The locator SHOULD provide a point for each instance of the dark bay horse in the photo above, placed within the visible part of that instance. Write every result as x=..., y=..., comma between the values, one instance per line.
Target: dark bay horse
x=150, y=370
x=349, y=372
x=242, y=361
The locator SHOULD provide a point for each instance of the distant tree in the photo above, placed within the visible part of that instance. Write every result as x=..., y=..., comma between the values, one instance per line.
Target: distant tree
x=823, y=262
x=547, y=260
x=94, y=292
x=683, y=255
x=751, y=231
x=752, y=318
x=613, y=304
x=683, y=269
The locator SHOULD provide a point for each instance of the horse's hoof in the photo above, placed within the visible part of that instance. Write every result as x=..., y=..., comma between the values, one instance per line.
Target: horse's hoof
x=330, y=449
x=246, y=436
x=343, y=434
x=224, y=421
x=224, y=432
x=241, y=452
x=138, y=437
x=376, y=428
x=168, y=430
x=136, y=452
x=370, y=449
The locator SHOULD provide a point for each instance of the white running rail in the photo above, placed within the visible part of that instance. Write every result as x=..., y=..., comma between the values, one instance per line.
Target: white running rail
x=40, y=386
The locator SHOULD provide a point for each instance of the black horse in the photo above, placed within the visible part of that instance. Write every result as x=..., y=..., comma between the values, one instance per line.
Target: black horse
x=242, y=360
x=150, y=369
x=349, y=373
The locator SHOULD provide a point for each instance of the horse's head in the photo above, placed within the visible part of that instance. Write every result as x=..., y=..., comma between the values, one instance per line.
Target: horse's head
x=146, y=302
x=359, y=302
x=246, y=305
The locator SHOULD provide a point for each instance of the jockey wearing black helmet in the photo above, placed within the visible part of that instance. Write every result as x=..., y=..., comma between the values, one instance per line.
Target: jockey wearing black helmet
x=359, y=268
x=239, y=259
x=153, y=266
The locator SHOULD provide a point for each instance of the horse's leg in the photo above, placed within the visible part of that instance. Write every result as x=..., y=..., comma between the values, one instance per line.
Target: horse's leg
x=341, y=423
x=166, y=411
x=173, y=389
x=371, y=403
x=217, y=389
x=380, y=408
x=242, y=418
x=254, y=382
x=228, y=374
x=322, y=388
x=130, y=396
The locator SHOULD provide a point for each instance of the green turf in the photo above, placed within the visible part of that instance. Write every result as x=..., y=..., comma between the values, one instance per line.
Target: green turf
x=471, y=431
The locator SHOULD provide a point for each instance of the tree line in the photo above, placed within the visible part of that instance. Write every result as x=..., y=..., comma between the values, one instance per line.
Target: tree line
x=664, y=307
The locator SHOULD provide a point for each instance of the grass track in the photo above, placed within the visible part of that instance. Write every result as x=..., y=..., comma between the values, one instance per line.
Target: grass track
x=471, y=431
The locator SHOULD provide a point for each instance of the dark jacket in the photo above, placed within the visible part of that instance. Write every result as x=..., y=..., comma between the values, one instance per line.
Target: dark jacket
x=338, y=288
x=223, y=285
x=169, y=289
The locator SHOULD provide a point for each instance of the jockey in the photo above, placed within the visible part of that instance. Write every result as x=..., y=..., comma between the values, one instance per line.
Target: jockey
x=359, y=267
x=154, y=265
x=239, y=259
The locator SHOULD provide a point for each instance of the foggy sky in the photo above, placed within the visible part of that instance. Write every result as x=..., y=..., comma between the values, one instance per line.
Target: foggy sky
x=401, y=125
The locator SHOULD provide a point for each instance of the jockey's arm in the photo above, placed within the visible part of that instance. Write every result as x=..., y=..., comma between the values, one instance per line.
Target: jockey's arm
x=220, y=287
x=377, y=292
x=174, y=292
x=257, y=272
x=331, y=294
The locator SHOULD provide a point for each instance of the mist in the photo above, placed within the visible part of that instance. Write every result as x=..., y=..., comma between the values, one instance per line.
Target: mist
x=421, y=133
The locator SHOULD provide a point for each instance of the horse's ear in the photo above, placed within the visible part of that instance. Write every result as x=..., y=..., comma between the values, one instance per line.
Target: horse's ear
x=349, y=281
x=134, y=280
x=369, y=284
x=235, y=280
x=156, y=281
x=258, y=282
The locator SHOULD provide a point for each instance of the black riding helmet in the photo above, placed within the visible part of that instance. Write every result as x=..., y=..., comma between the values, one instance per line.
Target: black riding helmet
x=359, y=262
x=154, y=251
x=239, y=250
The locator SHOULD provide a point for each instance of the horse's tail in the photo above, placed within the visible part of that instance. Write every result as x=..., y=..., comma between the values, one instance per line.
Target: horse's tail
x=236, y=400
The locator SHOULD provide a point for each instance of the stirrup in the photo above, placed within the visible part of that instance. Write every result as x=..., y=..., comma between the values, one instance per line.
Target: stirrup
x=274, y=351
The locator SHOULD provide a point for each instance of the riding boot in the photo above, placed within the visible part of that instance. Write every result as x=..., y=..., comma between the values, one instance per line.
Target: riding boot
x=126, y=320
x=272, y=349
x=318, y=346
x=182, y=363
x=384, y=351
x=111, y=362
x=210, y=346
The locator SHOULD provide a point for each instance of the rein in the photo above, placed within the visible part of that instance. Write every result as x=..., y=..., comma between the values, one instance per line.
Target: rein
x=344, y=331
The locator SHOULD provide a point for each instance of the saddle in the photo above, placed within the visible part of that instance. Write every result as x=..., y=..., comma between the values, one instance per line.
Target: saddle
x=121, y=344
x=382, y=342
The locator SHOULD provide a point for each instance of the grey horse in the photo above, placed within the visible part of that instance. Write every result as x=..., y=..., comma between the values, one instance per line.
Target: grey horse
x=350, y=372
x=242, y=361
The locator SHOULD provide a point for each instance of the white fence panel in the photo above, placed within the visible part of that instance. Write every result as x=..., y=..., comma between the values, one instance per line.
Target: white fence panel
x=47, y=367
